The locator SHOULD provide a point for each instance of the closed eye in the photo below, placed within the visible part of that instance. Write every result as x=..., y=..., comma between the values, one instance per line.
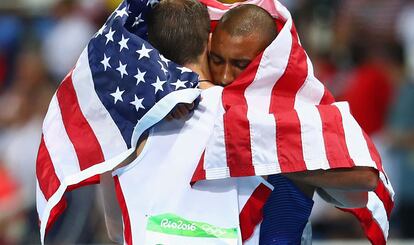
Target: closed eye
x=216, y=59
x=241, y=64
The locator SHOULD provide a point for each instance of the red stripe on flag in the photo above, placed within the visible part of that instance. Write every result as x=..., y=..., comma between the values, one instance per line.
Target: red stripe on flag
x=285, y=90
x=327, y=98
x=385, y=197
x=124, y=209
x=236, y=124
x=252, y=212
x=283, y=99
x=370, y=226
x=238, y=142
x=289, y=142
x=199, y=172
x=373, y=152
x=213, y=25
x=45, y=172
x=90, y=181
x=55, y=213
x=334, y=137
x=80, y=133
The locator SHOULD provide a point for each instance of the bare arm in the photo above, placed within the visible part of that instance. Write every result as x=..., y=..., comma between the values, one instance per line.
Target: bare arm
x=113, y=215
x=352, y=179
x=344, y=199
x=341, y=187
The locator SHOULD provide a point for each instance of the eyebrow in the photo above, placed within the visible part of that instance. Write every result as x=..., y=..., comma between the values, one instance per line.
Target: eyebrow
x=233, y=59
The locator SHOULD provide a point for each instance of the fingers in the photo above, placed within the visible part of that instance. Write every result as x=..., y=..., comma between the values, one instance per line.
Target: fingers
x=180, y=111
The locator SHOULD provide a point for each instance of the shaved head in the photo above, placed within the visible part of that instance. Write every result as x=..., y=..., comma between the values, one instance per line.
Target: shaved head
x=249, y=19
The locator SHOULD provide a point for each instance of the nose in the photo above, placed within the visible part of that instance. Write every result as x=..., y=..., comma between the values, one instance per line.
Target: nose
x=227, y=75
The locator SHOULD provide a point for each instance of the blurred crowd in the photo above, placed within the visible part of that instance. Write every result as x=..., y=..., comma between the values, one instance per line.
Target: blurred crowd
x=362, y=50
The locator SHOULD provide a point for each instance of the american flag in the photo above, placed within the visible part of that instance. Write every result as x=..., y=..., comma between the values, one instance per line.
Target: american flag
x=119, y=87
x=278, y=118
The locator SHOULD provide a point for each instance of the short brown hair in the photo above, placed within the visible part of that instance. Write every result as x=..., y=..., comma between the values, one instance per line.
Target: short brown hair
x=179, y=29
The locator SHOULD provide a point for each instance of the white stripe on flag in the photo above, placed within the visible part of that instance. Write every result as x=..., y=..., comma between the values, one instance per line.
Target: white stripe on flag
x=40, y=200
x=259, y=93
x=312, y=90
x=214, y=153
x=60, y=148
x=263, y=144
x=104, y=128
x=313, y=145
x=355, y=140
x=377, y=209
x=387, y=184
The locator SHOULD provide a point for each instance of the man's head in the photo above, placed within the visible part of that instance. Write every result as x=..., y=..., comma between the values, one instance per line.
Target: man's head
x=179, y=29
x=241, y=34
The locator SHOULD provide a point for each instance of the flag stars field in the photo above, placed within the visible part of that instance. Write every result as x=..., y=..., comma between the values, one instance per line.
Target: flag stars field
x=184, y=69
x=121, y=13
x=118, y=95
x=138, y=20
x=105, y=62
x=158, y=85
x=123, y=43
x=144, y=52
x=179, y=84
x=140, y=76
x=109, y=36
x=138, y=103
x=122, y=69
x=163, y=67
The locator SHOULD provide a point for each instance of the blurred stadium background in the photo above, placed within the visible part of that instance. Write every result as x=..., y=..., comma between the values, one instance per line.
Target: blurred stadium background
x=363, y=50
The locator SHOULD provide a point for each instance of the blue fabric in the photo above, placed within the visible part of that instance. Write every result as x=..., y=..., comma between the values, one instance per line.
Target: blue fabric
x=285, y=214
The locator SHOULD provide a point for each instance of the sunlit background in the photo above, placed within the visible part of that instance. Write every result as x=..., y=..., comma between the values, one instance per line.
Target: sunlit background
x=362, y=50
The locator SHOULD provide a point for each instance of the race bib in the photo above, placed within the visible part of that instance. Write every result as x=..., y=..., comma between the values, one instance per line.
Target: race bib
x=170, y=229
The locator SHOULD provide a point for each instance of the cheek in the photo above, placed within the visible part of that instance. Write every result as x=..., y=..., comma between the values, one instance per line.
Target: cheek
x=215, y=72
x=236, y=72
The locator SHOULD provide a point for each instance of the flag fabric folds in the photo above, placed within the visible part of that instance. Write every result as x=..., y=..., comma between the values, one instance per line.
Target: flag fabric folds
x=119, y=88
x=279, y=118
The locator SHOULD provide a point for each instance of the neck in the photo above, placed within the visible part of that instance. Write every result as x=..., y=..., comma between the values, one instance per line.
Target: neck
x=203, y=71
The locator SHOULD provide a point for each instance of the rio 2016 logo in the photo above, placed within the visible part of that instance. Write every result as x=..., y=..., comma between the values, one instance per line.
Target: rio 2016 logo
x=177, y=225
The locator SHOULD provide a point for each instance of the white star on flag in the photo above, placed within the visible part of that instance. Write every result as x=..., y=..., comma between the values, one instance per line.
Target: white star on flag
x=123, y=43
x=184, y=69
x=121, y=12
x=165, y=60
x=122, y=69
x=117, y=95
x=143, y=52
x=140, y=76
x=137, y=20
x=105, y=62
x=138, y=103
x=110, y=36
x=158, y=85
x=101, y=31
x=179, y=84
x=162, y=67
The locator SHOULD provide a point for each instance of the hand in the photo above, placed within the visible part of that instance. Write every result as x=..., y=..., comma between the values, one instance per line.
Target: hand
x=180, y=111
